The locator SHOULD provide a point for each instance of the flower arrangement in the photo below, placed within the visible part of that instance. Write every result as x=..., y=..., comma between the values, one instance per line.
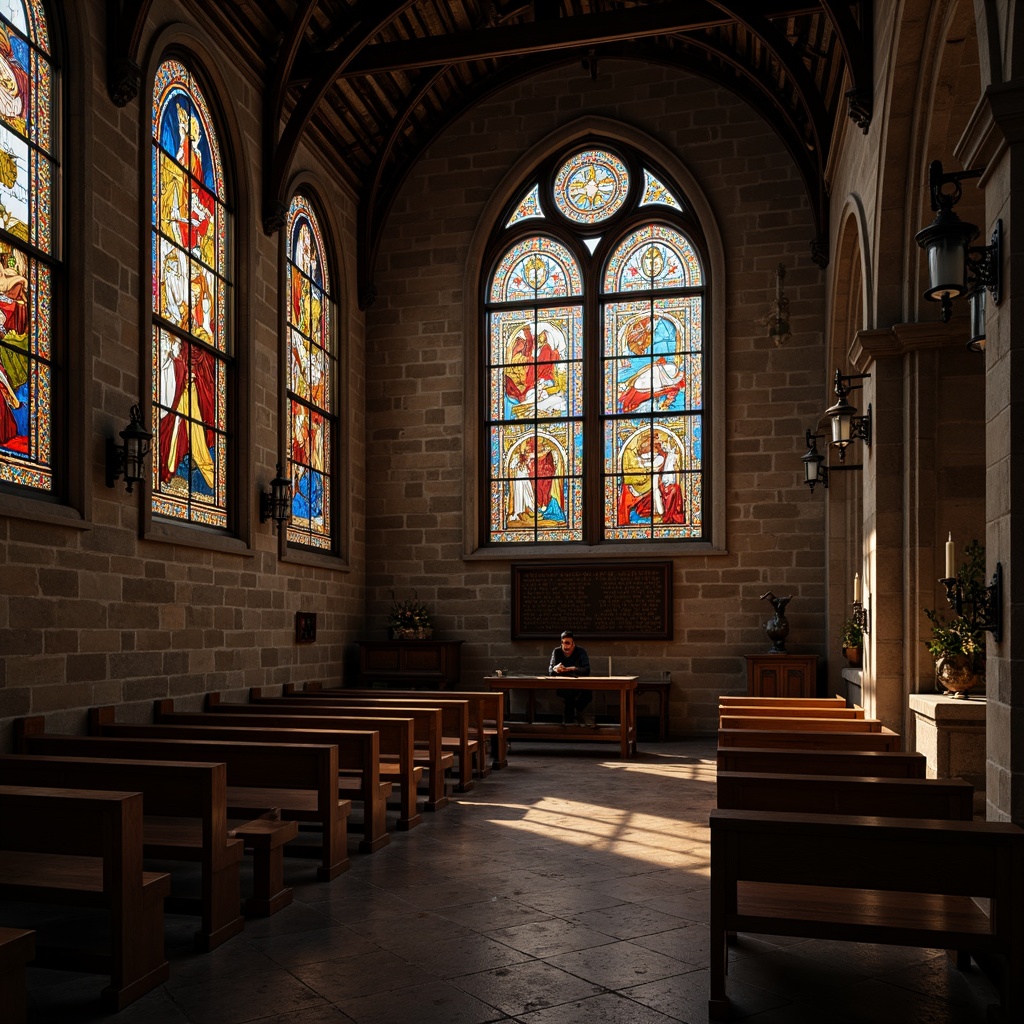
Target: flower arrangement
x=409, y=620
x=961, y=638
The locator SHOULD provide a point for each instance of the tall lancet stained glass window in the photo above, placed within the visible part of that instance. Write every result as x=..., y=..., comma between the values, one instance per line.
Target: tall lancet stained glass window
x=29, y=244
x=652, y=386
x=312, y=371
x=535, y=435
x=191, y=344
x=595, y=358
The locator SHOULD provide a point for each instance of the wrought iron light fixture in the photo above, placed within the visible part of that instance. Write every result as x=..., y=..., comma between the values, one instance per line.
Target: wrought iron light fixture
x=814, y=470
x=847, y=426
x=777, y=318
x=987, y=611
x=276, y=504
x=861, y=611
x=127, y=459
x=955, y=267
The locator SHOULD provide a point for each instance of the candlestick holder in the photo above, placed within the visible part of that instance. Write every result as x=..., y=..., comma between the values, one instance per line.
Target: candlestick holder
x=862, y=615
x=986, y=612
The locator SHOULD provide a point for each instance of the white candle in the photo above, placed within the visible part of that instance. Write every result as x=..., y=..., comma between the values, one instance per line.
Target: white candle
x=856, y=588
x=950, y=558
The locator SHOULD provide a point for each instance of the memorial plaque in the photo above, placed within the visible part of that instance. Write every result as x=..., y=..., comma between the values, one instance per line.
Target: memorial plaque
x=596, y=600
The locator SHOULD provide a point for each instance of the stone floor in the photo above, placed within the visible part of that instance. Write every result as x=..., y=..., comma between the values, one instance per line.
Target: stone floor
x=570, y=887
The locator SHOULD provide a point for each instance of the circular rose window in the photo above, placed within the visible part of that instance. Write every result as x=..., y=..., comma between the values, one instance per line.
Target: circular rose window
x=591, y=186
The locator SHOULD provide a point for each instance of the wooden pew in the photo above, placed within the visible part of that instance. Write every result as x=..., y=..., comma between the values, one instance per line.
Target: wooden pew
x=782, y=702
x=358, y=751
x=809, y=724
x=84, y=848
x=455, y=724
x=487, y=710
x=833, y=794
x=298, y=779
x=395, y=737
x=907, y=882
x=874, y=763
x=17, y=948
x=428, y=752
x=789, y=739
x=760, y=711
x=185, y=807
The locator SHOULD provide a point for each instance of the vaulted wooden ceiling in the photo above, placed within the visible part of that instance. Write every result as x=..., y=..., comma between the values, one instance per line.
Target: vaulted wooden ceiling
x=372, y=82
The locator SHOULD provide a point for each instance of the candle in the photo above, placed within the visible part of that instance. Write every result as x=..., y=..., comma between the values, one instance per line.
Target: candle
x=950, y=558
x=609, y=665
x=856, y=588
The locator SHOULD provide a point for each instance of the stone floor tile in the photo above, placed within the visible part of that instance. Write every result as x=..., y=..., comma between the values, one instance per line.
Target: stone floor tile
x=434, y=1002
x=617, y=964
x=627, y=920
x=525, y=987
x=609, y=1008
x=547, y=938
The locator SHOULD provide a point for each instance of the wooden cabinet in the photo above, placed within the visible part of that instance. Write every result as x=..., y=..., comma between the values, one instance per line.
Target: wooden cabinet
x=782, y=675
x=430, y=664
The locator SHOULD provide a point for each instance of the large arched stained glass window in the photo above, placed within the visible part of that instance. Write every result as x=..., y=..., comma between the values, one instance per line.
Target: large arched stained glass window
x=29, y=244
x=191, y=347
x=312, y=373
x=596, y=359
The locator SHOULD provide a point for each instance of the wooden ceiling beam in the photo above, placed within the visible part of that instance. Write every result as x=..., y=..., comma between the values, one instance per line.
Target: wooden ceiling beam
x=565, y=33
x=855, y=40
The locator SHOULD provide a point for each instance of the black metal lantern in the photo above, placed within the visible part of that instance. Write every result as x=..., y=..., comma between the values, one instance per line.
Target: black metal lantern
x=276, y=504
x=814, y=471
x=955, y=267
x=847, y=425
x=128, y=458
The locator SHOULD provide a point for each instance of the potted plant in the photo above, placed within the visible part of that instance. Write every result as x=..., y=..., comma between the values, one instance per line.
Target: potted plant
x=852, y=641
x=409, y=620
x=958, y=645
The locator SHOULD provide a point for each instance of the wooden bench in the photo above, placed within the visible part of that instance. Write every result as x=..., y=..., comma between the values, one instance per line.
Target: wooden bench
x=727, y=721
x=185, y=807
x=809, y=739
x=83, y=848
x=850, y=794
x=760, y=711
x=906, y=882
x=17, y=948
x=358, y=750
x=298, y=780
x=455, y=718
x=395, y=737
x=487, y=713
x=875, y=763
x=781, y=702
x=428, y=753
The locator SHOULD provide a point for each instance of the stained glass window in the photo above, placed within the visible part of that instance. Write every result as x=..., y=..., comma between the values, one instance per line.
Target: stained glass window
x=29, y=244
x=591, y=186
x=625, y=386
x=311, y=380
x=191, y=346
x=536, y=397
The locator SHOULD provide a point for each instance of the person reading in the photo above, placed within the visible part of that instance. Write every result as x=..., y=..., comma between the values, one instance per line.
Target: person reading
x=570, y=659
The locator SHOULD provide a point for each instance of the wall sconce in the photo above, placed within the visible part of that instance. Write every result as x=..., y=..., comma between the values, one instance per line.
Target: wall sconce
x=987, y=611
x=847, y=426
x=276, y=503
x=777, y=319
x=814, y=471
x=861, y=614
x=955, y=267
x=127, y=459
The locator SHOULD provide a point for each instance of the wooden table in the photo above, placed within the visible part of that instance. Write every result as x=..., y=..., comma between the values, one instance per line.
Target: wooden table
x=624, y=730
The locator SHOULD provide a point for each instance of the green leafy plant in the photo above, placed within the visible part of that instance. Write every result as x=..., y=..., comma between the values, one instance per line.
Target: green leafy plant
x=853, y=635
x=961, y=635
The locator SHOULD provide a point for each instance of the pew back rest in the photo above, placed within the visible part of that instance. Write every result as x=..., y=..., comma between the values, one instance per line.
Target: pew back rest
x=79, y=822
x=832, y=794
x=864, y=852
x=874, y=763
x=728, y=721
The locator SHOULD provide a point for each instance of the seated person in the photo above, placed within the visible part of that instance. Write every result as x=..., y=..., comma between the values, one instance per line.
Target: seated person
x=568, y=659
